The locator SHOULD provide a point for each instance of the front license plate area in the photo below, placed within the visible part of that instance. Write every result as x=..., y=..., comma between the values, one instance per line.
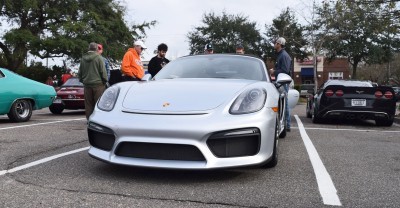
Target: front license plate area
x=358, y=102
x=57, y=101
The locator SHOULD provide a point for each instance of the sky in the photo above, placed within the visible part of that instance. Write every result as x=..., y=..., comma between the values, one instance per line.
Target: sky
x=176, y=18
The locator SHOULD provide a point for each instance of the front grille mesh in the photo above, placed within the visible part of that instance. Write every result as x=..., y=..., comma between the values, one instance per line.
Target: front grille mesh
x=159, y=151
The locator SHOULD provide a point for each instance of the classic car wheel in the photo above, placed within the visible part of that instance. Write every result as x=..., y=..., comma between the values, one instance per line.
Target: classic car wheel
x=21, y=111
x=274, y=158
x=384, y=122
x=56, y=109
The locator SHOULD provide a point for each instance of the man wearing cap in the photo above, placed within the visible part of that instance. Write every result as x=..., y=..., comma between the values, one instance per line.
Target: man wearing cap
x=239, y=49
x=208, y=49
x=100, y=51
x=282, y=65
x=132, y=67
x=92, y=73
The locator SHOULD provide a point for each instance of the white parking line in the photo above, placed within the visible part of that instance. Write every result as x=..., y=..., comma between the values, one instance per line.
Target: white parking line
x=325, y=184
x=47, y=159
x=360, y=130
x=37, y=124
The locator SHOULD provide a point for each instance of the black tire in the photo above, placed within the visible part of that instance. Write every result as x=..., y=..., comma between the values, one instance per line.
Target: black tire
x=273, y=161
x=21, y=111
x=56, y=109
x=384, y=122
x=282, y=134
x=308, y=111
x=315, y=118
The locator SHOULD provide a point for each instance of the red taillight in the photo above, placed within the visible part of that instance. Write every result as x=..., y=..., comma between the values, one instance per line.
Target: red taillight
x=388, y=95
x=378, y=94
x=329, y=93
x=339, y=93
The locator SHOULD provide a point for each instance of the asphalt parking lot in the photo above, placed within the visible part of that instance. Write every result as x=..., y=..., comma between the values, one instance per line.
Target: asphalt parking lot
x=44, y=163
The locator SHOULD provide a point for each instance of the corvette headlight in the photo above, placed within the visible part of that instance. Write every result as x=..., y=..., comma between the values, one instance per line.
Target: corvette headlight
x=108, y=99
x=249, y=101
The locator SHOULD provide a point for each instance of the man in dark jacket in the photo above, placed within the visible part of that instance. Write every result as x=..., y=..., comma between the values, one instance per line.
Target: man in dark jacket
x=282, y=65
x=92, y=73
x=159, y=61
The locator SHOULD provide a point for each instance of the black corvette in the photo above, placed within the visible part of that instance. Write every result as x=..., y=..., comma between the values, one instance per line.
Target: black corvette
x=351, y=99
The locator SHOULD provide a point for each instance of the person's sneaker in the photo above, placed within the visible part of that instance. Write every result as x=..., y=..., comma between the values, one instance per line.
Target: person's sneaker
x=288, y=129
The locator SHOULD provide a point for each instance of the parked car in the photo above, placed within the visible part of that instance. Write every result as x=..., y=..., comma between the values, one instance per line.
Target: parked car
x=305, y=89
x=69, y=96
x=397, y=93
x=352, y=100
x=198, y=112
x=19, y=96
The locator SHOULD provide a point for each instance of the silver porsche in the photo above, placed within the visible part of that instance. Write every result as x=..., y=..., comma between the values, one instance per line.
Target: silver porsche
x=199, y=112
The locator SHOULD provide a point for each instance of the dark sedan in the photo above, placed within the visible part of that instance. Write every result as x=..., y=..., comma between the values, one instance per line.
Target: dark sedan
x=350, y=99
x=69, y=96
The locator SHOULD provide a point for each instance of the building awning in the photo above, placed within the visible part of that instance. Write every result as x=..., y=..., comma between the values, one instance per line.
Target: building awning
x=307, y=72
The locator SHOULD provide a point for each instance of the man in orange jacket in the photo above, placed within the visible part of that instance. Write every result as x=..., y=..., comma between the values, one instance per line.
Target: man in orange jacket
x=132, y=67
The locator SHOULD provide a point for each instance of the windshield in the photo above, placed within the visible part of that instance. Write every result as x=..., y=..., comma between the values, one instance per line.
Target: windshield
x=72, y=82
x=214, y=66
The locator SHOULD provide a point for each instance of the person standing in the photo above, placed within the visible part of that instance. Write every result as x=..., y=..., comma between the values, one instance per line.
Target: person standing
x=158, y=62
x=208, y=49
x=92, y=73
x=282, y=65
x=132, y=66
x=66, y=76
x=107, y=65
x=239, y=49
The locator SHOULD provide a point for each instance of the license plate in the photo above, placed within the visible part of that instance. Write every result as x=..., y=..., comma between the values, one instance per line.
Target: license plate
x=358, y=102
x=57, y=101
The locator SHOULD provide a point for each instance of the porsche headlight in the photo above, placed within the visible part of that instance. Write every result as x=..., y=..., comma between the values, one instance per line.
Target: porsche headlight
x=108, y=99
x=249, y=101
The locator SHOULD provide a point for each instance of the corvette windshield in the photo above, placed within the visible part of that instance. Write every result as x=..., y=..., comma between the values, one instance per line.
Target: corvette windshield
x=214, y=66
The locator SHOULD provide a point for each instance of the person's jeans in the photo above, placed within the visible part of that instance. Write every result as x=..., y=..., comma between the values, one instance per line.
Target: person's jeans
x=287, y=111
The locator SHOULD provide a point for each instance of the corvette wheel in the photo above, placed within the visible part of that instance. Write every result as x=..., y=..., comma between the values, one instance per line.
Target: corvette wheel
x=315, y=118
x=384, y=122
x=21, y=111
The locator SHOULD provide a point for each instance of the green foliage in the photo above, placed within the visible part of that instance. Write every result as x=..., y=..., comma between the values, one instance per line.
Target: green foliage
x=65, y=28
x=285, y=25
x=363, y=31
x=36, y=71
x=225, y=32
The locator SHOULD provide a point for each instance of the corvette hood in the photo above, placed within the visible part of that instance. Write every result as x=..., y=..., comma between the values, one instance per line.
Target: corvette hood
x=181, y=95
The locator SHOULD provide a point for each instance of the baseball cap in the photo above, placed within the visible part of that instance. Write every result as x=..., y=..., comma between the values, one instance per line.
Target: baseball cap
x=208, y=46
x=281, y=41
x=99, y=47
x=140, y=43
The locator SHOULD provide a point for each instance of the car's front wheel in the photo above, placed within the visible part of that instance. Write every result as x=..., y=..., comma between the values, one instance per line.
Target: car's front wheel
x=274, y=158
x=21, y=111
x=56, y=109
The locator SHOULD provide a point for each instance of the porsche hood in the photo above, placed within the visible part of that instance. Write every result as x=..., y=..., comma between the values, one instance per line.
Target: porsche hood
x=181, y=96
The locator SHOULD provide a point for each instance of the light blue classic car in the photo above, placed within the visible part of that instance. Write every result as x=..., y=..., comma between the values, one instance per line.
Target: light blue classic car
x=19, y=96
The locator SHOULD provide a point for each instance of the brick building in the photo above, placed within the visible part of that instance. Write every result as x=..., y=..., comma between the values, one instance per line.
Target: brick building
x=304, y=70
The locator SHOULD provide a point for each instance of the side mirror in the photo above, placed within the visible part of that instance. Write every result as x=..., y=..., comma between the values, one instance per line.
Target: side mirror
x=282, y=79
x=146, y=77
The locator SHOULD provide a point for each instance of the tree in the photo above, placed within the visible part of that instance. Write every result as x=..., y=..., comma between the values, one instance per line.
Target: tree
x=285, y=25
x=49, y=29
x=357, y=29
x=225, y=32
